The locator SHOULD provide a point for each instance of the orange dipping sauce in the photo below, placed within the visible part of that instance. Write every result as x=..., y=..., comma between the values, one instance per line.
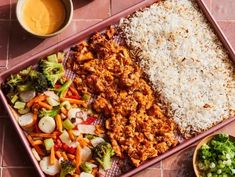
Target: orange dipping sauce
x=44, y=16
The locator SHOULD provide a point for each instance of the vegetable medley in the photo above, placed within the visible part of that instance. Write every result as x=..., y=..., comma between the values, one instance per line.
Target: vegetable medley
x=217, y=158
x=58, y=120
x=69, y=122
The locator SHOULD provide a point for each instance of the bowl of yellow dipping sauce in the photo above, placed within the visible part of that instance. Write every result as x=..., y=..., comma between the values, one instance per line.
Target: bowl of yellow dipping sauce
x=44, y=18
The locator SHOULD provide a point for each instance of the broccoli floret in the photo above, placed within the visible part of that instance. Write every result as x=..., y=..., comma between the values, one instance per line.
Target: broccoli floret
x=103, y=153
x=38, y=80
x=62, y=90
x=14, y=80
x=87, y=167
x=53, y=71
x=26, y=71
x=51, y=113
x=67, y=167
x=27, y=79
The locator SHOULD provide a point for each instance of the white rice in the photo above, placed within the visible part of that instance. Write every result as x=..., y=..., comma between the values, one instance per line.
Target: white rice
x=185, y=62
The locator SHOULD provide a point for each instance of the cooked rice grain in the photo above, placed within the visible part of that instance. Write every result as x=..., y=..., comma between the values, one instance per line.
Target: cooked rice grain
x=185, y=61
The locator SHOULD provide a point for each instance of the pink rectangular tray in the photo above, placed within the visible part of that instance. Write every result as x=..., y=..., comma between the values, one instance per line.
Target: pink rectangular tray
x=83, y=35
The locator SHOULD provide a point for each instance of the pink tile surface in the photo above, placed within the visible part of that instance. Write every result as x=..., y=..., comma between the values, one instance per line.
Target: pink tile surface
x=117, y=5
x=2, y=129
x=223, y=9
x=23, y=44
x=77, y=26
x=16, y=45
x=21, y=172
x=4, y=39
x=91, y=9
x=228, y=28
x=4, y=9
x=14, y=154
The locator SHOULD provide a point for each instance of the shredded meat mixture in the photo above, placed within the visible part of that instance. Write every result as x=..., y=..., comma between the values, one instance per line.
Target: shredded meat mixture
x=135, y=124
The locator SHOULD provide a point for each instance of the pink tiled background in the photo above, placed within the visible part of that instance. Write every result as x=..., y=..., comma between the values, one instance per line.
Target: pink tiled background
x=16, y=45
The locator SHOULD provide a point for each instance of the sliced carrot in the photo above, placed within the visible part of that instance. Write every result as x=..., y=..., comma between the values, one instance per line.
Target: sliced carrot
x=44, y=135
x=91, y=161
x=83, y=142
x=74, y=101
x=78, y=156
x=39, y=98
x=35, y=116
x=52, y=156
x=45, y=105
x=94, y=171
x=39, y=150
x=58, y=121
x=64, y=111
x=30, y=140
x=71, y=156
x=69, y=93
x=37, y=142
x=71, y=135
x=64, y=155
x=75, y=175
x=58, y=154
x=73, y=90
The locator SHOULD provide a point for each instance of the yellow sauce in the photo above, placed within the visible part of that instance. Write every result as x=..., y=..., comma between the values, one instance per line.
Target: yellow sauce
x=44, y=16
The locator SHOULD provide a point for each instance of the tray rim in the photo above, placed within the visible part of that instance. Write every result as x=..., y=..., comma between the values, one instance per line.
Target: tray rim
x=84, y=34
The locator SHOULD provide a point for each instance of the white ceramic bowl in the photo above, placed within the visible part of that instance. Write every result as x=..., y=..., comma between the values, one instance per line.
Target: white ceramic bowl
x=69, y=15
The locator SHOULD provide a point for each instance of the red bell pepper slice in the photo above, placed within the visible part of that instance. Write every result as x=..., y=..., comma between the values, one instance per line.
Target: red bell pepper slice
x=74, y=97
x=89, y=120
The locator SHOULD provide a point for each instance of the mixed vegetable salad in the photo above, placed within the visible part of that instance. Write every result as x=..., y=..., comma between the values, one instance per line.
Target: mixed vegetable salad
x=58, y=120
x=217, y=158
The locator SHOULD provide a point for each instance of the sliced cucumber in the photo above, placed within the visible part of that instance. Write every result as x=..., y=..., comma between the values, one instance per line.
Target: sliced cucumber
x=19, y=105
x=49, y=143
x=24, y=111
x=14, y=99
x=67, y=124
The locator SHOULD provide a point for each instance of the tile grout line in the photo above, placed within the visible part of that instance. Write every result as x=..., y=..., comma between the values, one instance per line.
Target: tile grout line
x=87, y=19
x=17, y=167
x=3, y=142
x=10, y=8
x=1, y=172
x=8, y=38
x=110, y=8
x=4, y=20
x=226, y=20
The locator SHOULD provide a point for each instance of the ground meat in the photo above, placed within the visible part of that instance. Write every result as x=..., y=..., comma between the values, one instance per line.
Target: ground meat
x=135, y=124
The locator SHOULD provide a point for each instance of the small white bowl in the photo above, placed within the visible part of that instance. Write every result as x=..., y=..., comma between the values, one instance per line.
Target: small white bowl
x=69, y=15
